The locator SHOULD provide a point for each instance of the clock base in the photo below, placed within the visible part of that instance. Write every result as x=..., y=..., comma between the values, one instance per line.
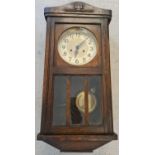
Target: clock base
x=77, y=143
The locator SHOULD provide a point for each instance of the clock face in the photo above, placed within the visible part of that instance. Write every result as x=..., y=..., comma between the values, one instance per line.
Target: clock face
x=77, y=46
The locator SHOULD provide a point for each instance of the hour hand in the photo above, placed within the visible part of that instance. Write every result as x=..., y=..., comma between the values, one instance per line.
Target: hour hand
x=78, y=46
x=76, y=51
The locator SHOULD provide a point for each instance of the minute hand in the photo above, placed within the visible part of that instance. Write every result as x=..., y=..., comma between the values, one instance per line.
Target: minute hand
x=78, y=46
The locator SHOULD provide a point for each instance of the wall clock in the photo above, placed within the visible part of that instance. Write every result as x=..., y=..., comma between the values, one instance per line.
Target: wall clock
x=77, y=102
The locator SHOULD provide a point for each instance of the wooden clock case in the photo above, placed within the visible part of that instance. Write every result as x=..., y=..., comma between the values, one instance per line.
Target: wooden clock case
x=82, y=138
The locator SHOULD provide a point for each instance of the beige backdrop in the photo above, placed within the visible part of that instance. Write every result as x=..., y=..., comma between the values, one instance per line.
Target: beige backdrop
x=41, y=147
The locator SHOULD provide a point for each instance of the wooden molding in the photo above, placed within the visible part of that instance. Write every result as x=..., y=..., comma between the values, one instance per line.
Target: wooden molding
x=77, y=143
x=79, y=8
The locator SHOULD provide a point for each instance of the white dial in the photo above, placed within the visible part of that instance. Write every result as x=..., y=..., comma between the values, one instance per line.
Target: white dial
x=77, y=46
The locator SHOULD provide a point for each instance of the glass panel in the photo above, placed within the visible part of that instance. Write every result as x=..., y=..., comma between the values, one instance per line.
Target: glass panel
x=77, y=86
x=77, y=100
x=59, y=105
x=95, y=116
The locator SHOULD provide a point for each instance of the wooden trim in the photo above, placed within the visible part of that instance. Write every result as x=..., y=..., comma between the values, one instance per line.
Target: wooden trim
x=77, y=143
x=46, y=78
x=68, y=102
x=77, y=20
x=77, y=71
x=83, y=137
x=82, y=16
x=77, y=130
x=51, y=78
x=106, y=80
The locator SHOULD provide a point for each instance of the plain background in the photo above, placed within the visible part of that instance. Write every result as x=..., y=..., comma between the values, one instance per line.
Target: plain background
x=41, y=147
x=136, y=77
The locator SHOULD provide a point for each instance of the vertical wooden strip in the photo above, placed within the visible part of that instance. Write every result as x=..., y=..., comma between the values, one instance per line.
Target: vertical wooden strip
x=106, y=80
x=47, y=112
x=68, y=103
x=46, y=79
x=51, y=77
x=86, y=115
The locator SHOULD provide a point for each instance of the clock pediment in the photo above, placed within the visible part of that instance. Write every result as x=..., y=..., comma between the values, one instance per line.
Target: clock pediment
x=79, y=8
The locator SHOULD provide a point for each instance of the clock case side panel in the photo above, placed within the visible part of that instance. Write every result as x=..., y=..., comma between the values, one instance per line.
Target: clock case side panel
x=106, y=80
x=48, y=78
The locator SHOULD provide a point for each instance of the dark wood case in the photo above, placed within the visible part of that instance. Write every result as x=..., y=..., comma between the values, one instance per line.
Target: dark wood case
x=80, y=138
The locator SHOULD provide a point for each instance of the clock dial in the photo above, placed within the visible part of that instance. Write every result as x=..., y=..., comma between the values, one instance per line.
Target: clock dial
x=77, y=46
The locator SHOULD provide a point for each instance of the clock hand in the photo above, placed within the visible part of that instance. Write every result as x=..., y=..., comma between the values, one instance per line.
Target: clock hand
x=78, y=46
x=76, y=51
